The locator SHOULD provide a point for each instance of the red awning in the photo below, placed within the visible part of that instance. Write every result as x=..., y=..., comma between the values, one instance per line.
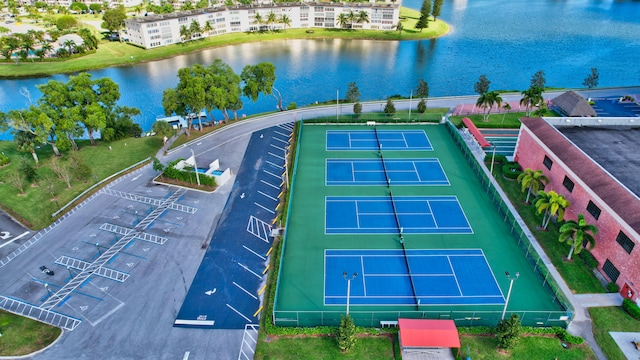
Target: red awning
x=419, y=333
x=475, y=132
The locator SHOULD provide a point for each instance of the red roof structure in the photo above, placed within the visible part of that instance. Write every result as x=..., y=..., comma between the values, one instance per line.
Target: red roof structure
x=422, y=333
x=475, y=132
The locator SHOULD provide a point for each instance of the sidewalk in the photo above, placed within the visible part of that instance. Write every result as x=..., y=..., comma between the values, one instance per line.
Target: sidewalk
x=581, y=325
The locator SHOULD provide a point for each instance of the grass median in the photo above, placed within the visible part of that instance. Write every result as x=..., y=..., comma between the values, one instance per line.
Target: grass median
x=22, y=336
x=119, y=54
x=606, y=319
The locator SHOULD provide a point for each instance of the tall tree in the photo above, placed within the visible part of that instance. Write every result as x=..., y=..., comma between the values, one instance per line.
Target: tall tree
x=482, y=85
x=578, y=234
x=285, y=21
x=532, y=181
x=188, y=98
x=531, y=98
x=591, y=81
x=342, y=20
x=538, y=80
x=353, y=93
x=272, y=18
x=425, y=13
x=113, y=20
x=363, y=17
x=487, y=101
x=506, y=107
x=422, y=91
x=30, y=128
x=551, y=204
x=437, y=8
x=260, y=78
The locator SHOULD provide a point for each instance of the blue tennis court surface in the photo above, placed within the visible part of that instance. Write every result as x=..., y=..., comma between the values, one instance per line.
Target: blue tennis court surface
x=389, y=139
x=371, y=172
x=375, y=215
x=440, y=277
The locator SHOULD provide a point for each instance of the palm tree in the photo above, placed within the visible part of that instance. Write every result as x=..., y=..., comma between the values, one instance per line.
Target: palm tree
x=69, y=44
x=486, y=101
x=363, y=17
x=578, y=234
x=507, y=108
x=185, y=34
x=553, y=204
x=400, y=27
x=532, y=181
x=40, y=53
x=208, y=27
x=285, y=20
x=89, y=39
x=258, y=20
x=352, y=17
x=271, y=19
x=530, y=98
x=47, y=47
x=343, y=20
x=195, y=28
x=541, y=111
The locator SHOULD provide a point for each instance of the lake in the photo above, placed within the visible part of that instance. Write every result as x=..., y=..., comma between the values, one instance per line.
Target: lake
x=506, y=40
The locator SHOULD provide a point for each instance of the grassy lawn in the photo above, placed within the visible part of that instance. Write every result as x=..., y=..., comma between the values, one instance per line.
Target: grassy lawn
x=578, y=276
x=529, y=347
x=324, y=347
x=116, y=53
x=21, y=336
x=35, y=207
x=505, y=121
x=607, y=319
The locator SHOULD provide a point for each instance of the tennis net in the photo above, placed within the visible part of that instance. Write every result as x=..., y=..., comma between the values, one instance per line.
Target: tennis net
x=406, y=260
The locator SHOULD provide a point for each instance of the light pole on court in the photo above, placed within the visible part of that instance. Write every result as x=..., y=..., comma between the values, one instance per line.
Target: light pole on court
x=344, y=274
x=493, y=159
x=511, y=280
x=195, y=167
x=337, y=102
x=410, y=98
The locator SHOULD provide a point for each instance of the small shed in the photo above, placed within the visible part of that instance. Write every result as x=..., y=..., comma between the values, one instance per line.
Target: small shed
x=427, y=336
x=573, y=105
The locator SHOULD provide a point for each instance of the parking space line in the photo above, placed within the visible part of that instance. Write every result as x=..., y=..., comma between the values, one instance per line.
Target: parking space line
x=245, y=290
x=279, y=133
x=254, y=253
x=270, y=184
x=275, y=165
x=269, y=210
x=239, y=313
x=282, y=141
x=14, y=239
x=278, y=156
x=267, y=195
x=186, y=355
x=272, y=174
x=277, y=147
x=249, y=270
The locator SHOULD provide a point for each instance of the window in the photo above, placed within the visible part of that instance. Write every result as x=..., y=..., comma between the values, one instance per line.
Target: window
x=624, y=241
x=547, y=162
x=611, y=270
x=568, y=184
x=593, y=210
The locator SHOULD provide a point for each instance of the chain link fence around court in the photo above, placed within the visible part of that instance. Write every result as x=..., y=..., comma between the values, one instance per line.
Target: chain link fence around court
x=401, y=118
x=375, y=318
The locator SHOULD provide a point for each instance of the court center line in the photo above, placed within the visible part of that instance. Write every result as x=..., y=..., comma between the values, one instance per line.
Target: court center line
x=455, y=276
x=270, y=184
x=435, y=223
x=254, y=253
x=269, y=196
x=239, y=313
x=353, y=172
x=249, y=270
x=278, y=156
x=364, y=284
x=404, y=138
x=357, y=215
x=269, y=210
x=416, y=170
x=272, y=174
x=245, y=290
x=274, y=165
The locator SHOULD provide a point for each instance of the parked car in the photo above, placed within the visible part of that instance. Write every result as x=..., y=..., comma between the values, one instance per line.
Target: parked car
x=46, y=270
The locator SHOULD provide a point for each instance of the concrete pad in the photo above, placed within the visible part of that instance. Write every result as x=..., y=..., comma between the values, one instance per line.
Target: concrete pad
x=624, y=339
x=428, y=354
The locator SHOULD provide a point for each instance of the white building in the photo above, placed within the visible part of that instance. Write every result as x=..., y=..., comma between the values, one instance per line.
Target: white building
x=164, y=29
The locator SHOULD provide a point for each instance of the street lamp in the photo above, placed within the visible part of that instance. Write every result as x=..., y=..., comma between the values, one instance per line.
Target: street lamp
x=493, y=158
x=195, y=166
x=98, y=247
x=511, y=280
x=344, y=274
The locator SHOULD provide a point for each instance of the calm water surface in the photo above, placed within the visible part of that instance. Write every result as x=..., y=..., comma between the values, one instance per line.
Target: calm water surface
x=507, y=40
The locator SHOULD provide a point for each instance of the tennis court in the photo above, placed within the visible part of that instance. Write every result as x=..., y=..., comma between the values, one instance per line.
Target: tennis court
x=438, y=277
x=377, y=139
x=368, y=172
x=377, y=215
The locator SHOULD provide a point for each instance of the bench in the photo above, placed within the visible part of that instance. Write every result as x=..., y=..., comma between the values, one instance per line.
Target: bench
x=371, y=123
x=388, y=324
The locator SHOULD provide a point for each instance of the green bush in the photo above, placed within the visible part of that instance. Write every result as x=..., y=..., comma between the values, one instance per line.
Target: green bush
x=186, y=176
x=422, y=106
x=4, y=159
x=631, y=308
x=498, y=159
x=564, y=336
x=66, y=22
x=346, y=334
x=511, y=170
x=613, y=287
x=292, y=106
x=508, y=332
x=588, y=259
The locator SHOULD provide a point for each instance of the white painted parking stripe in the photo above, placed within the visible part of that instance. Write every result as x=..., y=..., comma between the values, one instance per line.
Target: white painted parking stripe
x=186, y=355
x=277, y=147
x=267, y=183
x=14, y=239
x=275, y=165
x=269, y=210
x=249, y=270
x=267, y=195
x=279, y=133
x=254, y=253
x=245, y=290
x=239, y=313
x=272, y=174
x=282, y=141
x=278, y=156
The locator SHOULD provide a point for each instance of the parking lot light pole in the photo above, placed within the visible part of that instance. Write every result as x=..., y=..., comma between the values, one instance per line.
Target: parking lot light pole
x=98, y=247
x=344, y=274
x=511, y=280
x=195, y=167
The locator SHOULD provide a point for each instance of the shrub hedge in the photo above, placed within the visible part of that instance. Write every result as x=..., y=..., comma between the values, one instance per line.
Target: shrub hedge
x=187, y=176
x=4, y=159
x=632, y=308
x=511, y=170
x=588, y=259
x=613, y=287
